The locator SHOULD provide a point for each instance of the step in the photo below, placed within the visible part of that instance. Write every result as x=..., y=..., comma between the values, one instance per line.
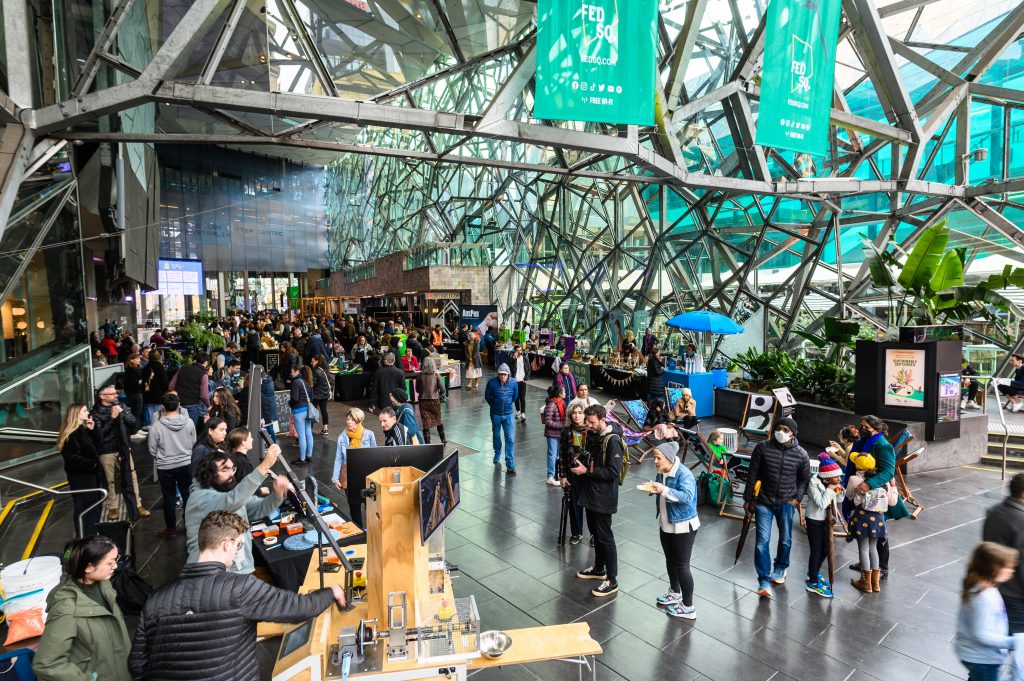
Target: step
x=996, y=460
x=1010, y=447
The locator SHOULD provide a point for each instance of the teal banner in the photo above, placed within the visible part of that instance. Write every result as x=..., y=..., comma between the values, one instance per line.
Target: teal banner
x=798, y=75
x=596, y=61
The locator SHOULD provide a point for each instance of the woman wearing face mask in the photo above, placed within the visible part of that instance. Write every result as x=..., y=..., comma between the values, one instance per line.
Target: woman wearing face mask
x=872, y=441
x=783, y=470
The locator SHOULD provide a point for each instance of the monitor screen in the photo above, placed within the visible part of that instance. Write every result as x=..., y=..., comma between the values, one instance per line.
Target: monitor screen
x=295, y=639
x=180, y=278
x=439, y=495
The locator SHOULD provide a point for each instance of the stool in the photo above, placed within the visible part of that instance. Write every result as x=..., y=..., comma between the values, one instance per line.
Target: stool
x=730, y=439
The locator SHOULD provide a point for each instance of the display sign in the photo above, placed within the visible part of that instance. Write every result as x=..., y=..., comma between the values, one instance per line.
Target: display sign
x=787, y=403
x=948, y=408
x=596, y=61
x=179, y=278
x=904, y=378
x=480, y=318
x=444, y=295
x=798, y=75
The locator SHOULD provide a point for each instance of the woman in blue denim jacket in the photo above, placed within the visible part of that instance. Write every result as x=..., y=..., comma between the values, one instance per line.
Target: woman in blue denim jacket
x=675, y=493
x=354, y=437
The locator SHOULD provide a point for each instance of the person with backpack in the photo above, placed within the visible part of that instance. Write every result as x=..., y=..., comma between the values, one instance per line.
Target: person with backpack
x=553, y=418
x=600, y=478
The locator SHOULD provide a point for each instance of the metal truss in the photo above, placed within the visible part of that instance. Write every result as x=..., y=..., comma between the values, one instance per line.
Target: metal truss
x=421, y=113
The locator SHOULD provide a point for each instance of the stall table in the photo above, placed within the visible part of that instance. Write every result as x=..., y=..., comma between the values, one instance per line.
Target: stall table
x=289, y=569
x=581, y=370
x=702, y=386
x=622, y=382
x=542, y=364
x=351, y=387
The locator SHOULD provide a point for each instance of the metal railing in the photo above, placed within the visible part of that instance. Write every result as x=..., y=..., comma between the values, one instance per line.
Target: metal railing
x=67, y=492
x=993, y=383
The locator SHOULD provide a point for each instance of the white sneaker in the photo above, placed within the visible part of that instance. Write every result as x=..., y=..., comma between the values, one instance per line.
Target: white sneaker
x=1017, y=407
x=971, y=404
x=963, y=404
x=554, y=483
x=517, y=415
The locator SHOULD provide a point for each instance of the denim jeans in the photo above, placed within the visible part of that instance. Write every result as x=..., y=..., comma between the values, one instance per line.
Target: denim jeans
x=553, y=443
x=304, y=428
x=196, y=412
x=981, y=672
x=504, y=424
x=783, y=517
x=153, y=410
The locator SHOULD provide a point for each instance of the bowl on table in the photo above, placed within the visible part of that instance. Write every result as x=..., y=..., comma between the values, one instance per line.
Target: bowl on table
x=493, y=644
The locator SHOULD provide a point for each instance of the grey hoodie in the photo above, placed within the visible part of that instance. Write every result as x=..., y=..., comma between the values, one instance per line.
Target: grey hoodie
x=170, y=441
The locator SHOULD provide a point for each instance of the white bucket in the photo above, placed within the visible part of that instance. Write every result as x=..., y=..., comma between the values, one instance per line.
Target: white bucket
x=730, y=439
x=35, y=574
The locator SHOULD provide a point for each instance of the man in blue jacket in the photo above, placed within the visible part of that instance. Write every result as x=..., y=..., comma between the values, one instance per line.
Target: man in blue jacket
x=501, y=394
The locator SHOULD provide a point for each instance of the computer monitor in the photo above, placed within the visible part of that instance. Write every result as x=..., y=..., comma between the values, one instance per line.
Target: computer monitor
x=439, y=495
x=365, y=461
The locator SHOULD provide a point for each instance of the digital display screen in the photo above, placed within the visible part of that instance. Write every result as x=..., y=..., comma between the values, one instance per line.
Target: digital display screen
x=295, y=639
x=180, y=278
x=439, y=495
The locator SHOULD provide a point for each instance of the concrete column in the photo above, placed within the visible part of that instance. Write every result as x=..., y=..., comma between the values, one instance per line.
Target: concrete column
x=221, y=294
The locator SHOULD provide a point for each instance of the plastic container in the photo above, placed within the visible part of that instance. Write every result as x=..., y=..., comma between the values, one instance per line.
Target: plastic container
x=27, y=583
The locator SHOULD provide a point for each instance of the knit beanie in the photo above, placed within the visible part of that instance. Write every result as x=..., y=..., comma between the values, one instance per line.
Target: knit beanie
x=670, y=450
x=503, y=369
x=863, y=462
x=828, y=468
x=788, y=422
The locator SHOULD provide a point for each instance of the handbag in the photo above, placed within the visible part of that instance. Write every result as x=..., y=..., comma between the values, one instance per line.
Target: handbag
x=314, y=413
x=719, y=489
x=702, y=489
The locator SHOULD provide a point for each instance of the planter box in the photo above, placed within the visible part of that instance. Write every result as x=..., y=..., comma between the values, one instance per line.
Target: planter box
x=818, y=424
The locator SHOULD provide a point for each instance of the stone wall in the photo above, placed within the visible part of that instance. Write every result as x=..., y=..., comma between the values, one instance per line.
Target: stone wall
x=391, y=278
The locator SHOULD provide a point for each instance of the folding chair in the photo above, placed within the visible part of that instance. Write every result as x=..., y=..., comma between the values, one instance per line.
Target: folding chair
x=901, y=444
x=634, y=439
x=757, y=421
x=735, y=474
x=673, y=393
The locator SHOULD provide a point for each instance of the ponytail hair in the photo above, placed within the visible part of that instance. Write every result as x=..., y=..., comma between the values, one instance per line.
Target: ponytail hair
x=876, y=423
x=986, y=562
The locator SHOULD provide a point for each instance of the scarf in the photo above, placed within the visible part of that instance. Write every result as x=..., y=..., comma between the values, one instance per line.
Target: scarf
x=355, y=437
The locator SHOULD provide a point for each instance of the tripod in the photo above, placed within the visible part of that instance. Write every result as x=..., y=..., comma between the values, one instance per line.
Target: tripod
x=564, y=516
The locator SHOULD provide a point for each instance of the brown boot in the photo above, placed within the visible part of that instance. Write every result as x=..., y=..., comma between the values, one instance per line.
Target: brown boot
x=876, y=576
x=864, y=583
x=143, y=512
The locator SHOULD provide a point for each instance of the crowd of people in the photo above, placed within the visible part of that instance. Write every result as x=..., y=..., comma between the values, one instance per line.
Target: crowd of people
x=194, y=419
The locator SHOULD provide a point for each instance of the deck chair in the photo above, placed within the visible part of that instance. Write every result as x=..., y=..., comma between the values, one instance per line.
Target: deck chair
x=673, y=393
x=758, y=419
x=734, y=471
x=901, y=444
x=634, y=439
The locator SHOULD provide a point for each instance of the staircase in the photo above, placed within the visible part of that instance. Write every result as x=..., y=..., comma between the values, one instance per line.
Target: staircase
x=993, y=457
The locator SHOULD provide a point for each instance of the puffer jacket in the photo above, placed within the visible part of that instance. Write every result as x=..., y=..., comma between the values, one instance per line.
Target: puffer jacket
x=599, y=488
x=321, y=384
x=501, y=397
x=784, y=471
x=554, y=418
x=83, y=640
x=655, y=382
x=203, y=625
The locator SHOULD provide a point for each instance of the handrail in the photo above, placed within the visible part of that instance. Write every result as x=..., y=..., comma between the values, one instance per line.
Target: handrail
x=47, y=490
x=58, y=359
x=993, y=382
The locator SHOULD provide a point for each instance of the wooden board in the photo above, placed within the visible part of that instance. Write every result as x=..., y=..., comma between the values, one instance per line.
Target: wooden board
x=538, y=644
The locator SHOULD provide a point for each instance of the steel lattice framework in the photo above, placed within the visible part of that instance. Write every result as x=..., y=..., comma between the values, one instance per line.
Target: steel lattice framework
x=421, y=109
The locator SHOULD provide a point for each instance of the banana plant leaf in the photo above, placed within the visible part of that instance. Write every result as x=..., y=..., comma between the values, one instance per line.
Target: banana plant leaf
x=949, y=273
x=881, y=275
x=925, y=257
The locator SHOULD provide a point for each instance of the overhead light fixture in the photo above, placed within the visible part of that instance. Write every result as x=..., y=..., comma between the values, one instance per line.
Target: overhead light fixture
x=17, y=311
x=40, y=324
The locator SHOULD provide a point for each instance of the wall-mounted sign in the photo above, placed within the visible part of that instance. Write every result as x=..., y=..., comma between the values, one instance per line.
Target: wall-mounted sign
x=798, y=75
x=904, y=378
x=444, y=296
x=596, y=60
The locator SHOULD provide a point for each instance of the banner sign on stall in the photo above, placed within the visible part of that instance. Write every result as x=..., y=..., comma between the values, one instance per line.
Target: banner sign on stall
x=596, y=60
x=798, y=75
x=480, y=317
x=904, y=378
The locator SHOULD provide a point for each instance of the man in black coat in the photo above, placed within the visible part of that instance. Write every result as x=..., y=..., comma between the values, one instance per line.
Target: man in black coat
x=599, y=492
x=1004, y=524
x=387, y=378
x=114, y=426
x=781, y=465
x=203, y=624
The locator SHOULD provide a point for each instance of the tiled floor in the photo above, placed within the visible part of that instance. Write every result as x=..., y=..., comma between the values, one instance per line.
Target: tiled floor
x=503, y=540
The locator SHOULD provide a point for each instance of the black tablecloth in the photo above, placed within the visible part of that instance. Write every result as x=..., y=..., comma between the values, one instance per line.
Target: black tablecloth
x=619, y=382
x=351, y=387
x=288, y=568
x=455, y=351
x=543, y=364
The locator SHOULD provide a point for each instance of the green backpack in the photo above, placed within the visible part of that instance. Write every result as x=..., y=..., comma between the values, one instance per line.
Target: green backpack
x=624, y=471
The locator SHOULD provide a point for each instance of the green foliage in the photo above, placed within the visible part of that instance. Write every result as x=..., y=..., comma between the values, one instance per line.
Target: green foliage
x=173, y=358
x=929, y=287
x=204, y=318
x=819, y=380
x=202, y=336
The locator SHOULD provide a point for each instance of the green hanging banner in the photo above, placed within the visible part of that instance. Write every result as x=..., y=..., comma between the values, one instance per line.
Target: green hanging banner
x=798, y=75
x=596, y=60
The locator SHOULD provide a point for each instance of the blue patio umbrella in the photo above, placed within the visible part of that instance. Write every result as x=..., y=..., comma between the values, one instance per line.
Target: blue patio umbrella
x=705, y=321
